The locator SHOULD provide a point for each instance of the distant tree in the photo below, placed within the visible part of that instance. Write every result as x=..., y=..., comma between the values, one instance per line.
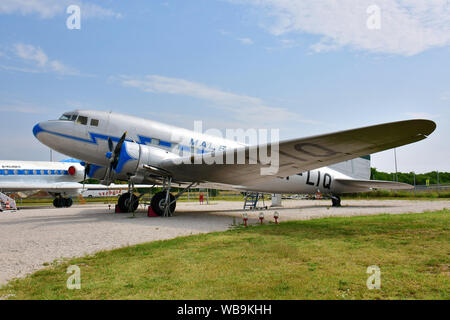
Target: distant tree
x=421, y=178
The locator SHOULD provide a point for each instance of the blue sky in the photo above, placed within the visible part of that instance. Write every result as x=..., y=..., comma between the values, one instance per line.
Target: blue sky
x=305, y=67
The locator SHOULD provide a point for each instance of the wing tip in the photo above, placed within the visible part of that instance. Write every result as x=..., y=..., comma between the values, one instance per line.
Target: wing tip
x=426, y=126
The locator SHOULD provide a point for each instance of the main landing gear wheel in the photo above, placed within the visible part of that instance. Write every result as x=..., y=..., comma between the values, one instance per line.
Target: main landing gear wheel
x=68, y=202
x=124, y=202
x=62, y=202
x=158, y=202
x=336, y=200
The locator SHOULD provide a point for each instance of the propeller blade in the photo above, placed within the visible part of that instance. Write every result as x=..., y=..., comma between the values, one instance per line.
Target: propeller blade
x=117, y=150
x=110, y=144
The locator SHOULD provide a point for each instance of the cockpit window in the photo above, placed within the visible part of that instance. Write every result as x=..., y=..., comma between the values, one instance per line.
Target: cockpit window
x=82, y=120
x=68, y=117
x=65, y=117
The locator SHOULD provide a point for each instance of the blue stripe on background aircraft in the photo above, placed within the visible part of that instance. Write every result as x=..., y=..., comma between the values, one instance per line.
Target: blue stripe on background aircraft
x=59, y=179
x=121, y=147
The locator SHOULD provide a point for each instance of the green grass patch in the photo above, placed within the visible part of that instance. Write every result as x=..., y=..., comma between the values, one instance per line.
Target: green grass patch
x=403, y=195
x=315, y=259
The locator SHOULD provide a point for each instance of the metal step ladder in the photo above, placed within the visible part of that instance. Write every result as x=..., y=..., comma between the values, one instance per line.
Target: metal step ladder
x=251, y=200
x=7, y=203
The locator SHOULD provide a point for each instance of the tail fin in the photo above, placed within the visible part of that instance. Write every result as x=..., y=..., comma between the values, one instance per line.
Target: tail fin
x=358, y=168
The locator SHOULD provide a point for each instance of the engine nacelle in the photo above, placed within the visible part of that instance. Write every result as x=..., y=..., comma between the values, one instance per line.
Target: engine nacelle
x=133, y=157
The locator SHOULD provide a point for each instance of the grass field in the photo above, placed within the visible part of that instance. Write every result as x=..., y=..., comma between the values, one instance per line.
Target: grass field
x=315, y=259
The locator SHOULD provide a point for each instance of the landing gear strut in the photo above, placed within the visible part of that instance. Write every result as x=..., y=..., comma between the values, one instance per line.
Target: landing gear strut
x=336, y=200
x=163, y=203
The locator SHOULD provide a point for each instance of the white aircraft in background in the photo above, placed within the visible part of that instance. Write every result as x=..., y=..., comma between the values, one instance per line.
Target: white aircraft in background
x=101, y=193
x=59, y=179
x=122, y=147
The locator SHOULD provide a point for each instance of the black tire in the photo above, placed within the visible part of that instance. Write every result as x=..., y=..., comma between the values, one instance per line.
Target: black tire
x=56, y=203
x=336, y=201
x=124, y=205
x=68, y=202
x=158, y=200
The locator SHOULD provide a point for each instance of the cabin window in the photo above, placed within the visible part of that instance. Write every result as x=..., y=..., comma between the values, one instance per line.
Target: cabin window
x=155, y=141
x=94, y=122
x=82, y=120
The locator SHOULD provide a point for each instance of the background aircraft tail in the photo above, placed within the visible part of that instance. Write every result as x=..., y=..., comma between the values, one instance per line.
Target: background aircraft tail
x=358, y=168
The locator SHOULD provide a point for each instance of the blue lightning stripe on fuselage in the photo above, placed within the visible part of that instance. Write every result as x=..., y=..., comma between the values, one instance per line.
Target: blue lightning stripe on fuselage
x=95, y=136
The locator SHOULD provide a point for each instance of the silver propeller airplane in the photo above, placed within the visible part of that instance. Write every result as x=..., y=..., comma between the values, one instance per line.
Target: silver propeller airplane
x=116, y=146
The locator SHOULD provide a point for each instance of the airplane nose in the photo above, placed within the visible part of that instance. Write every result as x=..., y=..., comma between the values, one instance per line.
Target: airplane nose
x=37, y=129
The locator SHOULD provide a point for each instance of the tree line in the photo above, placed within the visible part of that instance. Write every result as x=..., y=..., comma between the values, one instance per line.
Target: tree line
x=421, y=178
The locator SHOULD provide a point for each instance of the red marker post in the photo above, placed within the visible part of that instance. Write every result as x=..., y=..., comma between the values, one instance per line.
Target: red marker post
x=245, y=216
x=276, y=215
x=261, y=217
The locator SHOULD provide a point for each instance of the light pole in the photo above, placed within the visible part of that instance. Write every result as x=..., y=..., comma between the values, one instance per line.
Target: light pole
x=395, y=158
x=438, y=186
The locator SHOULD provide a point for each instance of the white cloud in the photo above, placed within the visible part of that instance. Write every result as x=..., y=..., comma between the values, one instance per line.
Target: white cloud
x=407, y=27
x=422, y=115
x=50, y=8
x=29, y=52
x=445, y=96
x=246, y=41
x=241, y=106
x=39, y=60
x=21, y=109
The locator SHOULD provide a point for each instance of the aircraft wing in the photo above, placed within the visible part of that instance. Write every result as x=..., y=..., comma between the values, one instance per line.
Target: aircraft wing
x=300, y=155
x=361, y=185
